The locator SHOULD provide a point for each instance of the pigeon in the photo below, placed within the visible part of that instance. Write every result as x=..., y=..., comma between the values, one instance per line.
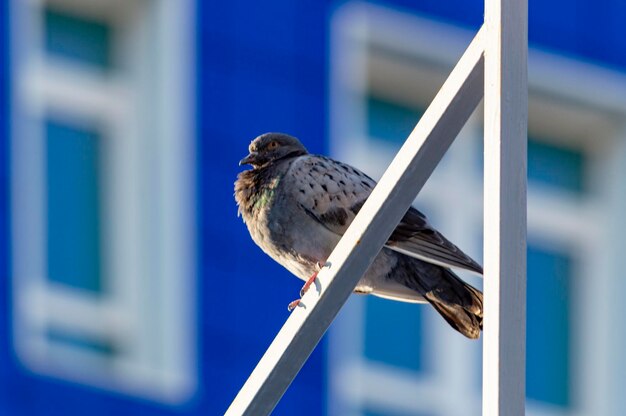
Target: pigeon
x=297, y=206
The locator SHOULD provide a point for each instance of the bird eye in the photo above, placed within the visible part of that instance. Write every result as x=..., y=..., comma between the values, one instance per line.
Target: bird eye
x=272, y=145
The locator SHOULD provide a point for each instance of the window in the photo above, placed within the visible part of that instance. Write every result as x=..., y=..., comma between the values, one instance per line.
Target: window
x=556, y=166
x=390, y=121
x=73, y=201
x=63, y=342
x=548, y=334
x=388, y=413
x=393, y=332
x=400, y=353
x=386, y=66
x=103, y=194
x=83, y=40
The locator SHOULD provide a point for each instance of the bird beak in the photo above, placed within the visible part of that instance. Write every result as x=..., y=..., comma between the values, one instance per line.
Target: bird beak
x=248, y=160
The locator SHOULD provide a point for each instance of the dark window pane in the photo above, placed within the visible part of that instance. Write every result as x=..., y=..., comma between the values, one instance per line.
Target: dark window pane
x=549, y=164
x=548, y=333
x=556, y=166
x=393, y=333
x=80, y=341
x=73, y=204
x=390, y=121
x=79, y=39
x=370, y=412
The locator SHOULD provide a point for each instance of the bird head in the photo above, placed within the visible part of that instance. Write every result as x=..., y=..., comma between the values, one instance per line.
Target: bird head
x=270, y=147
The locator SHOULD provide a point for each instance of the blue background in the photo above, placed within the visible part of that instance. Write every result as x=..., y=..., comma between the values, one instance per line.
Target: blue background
x=261, y=66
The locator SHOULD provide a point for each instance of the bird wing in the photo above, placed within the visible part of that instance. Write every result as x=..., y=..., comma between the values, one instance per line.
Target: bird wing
x=415, y=237
x=332, y=193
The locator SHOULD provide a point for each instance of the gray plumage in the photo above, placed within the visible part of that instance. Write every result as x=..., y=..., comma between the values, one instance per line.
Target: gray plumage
x=297, y=206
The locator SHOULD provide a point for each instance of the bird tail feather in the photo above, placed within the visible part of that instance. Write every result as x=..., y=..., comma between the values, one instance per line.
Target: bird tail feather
x=460, y=304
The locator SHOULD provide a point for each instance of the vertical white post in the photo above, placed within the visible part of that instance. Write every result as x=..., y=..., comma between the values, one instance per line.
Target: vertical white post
x=506, y=108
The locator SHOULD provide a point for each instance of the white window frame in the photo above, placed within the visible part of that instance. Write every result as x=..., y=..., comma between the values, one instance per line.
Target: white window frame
x=149, y=196
x=556, y=97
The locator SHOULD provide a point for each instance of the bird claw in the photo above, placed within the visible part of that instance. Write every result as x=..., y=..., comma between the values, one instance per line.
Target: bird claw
x=308, y=284
x=311, y=279
x=321, y=265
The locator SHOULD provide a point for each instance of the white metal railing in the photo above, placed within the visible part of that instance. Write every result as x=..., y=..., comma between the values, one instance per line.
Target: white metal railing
x=506, y=117
x=493, y=64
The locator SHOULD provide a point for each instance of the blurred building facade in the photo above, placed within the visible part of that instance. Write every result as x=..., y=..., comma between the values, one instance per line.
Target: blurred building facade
x=129, y=286
x=385, y=68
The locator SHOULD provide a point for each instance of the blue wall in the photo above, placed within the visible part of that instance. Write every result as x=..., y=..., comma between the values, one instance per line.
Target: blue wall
x=6, y=359
x=582, y=29
x=261, y=67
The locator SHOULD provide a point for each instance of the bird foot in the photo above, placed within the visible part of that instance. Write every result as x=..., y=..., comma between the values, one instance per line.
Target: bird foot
x=307, y=285
x=311, y=279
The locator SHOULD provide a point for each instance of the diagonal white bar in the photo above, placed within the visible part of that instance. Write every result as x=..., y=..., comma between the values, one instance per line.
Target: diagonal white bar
x=506, y=110
x=389, y=201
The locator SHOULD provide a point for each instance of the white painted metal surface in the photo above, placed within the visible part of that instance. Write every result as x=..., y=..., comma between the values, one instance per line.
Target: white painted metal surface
x=398, y=187
x=506, y=109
